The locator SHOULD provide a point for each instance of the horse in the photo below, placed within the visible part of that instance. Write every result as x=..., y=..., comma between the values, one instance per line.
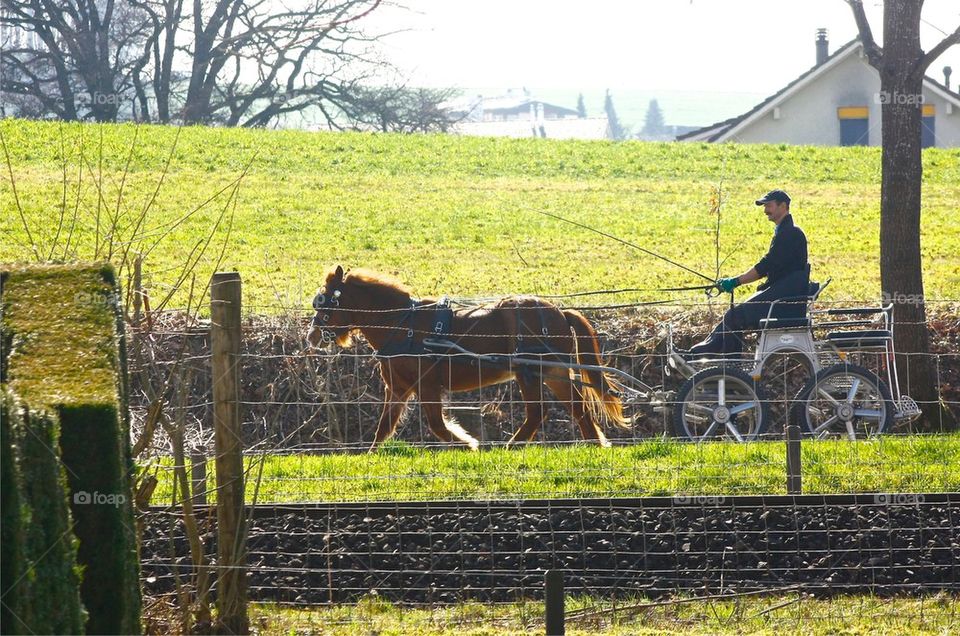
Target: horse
x=402, y=330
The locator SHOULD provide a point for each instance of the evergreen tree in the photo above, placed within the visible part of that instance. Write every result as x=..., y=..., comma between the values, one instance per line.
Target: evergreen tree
x=654, y=126
x=616, y=130
x=581, y=107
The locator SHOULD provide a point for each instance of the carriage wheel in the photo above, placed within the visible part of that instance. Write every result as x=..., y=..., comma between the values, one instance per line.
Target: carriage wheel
x=844, y=400
x=784, y=374
x=718, y=403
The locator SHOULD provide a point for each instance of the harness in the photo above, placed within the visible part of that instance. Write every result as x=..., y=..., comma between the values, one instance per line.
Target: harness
x=439, y=344
x=441, y=321
x=539, y=348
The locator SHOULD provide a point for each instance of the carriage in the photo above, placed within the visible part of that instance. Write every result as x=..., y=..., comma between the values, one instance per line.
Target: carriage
x=719, y=397
x=841, y=396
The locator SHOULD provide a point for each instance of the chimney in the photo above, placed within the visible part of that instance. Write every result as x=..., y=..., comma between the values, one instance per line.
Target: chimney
x=946, y=76
x=823, y=46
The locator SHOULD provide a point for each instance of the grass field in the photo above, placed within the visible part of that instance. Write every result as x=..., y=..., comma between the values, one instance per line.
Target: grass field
x=768, y=615
x=655, y=467
x=453, y=215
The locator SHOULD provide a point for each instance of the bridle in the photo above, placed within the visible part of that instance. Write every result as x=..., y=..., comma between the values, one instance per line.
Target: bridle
x=323, y=304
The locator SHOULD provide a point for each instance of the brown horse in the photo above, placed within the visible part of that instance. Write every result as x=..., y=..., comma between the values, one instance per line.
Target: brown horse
x=396, y=325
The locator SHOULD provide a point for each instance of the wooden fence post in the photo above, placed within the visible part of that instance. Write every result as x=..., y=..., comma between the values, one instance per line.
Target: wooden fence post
x=553, y=582
x=198, y=475
x=137, y=289
x=225, y=336
x=794, y=473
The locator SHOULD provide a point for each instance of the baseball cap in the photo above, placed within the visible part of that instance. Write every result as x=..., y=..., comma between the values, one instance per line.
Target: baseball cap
x=774, y=195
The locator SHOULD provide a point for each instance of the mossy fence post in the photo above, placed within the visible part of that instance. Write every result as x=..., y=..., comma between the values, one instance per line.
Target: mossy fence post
x=71, y=448
x=225, y=337
x=794, y=470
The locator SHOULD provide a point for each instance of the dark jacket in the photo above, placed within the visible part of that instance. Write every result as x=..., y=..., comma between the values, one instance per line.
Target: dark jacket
x=787, y=254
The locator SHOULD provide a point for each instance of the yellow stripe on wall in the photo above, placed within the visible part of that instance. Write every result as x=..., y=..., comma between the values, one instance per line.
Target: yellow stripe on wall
x=853, y=112
x=929, y=110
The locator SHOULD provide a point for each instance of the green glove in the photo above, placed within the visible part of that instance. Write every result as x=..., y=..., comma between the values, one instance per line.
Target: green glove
x=728, y=284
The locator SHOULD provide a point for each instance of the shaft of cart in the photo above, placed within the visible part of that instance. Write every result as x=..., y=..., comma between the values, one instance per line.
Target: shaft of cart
x=633, y=387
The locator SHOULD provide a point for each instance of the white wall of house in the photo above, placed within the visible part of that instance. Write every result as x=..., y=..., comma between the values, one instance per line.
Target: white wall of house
x=571, y=128
x=809, y=116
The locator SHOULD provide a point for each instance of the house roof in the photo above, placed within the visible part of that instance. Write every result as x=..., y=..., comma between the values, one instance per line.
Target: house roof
x=719, y=130
x=509, y=102
x=937, y=87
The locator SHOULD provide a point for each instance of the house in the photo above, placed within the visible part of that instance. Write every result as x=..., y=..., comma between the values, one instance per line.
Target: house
x=836, y=103
x=514, y=105
x=520, y=114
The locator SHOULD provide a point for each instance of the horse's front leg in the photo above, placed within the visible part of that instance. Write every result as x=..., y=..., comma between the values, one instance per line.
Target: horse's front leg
x=394, y=403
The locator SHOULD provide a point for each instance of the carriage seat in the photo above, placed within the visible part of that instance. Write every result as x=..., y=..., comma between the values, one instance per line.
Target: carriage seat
x=792, y=313
x=785, y=323
x=860, y=339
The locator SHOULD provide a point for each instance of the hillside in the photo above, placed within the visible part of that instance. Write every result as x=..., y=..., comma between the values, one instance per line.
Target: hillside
x=454, y=215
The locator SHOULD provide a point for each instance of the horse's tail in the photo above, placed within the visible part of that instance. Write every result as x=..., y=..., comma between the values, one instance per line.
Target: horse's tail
x=598, y=391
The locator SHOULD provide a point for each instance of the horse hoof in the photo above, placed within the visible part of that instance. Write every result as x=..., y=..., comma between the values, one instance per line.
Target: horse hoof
x=473, y=445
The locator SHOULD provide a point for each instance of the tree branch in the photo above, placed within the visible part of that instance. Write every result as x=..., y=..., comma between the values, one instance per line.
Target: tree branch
x=873, y=52
x=939, y=49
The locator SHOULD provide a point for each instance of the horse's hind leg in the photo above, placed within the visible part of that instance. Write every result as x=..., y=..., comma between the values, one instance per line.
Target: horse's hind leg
x=532, y=392
x=394, y=403
x=572, y=397
x=446, y=430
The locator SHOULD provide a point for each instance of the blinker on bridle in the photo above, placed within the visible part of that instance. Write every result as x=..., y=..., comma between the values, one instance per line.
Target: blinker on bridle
x=321, y=302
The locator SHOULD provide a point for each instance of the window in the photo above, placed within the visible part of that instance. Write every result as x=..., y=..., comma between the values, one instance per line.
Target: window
x=928, y=137
x=854, y=125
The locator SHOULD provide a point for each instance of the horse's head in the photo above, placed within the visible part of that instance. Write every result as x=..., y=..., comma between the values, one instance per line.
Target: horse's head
x=332, y=322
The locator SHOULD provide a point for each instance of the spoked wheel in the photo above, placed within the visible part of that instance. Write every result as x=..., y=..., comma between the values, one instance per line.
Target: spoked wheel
x=785, y=373
x=844, y=400
x=718, y=403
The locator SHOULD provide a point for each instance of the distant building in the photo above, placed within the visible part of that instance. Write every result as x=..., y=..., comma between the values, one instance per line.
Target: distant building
x=836, y=103
x=520, y=114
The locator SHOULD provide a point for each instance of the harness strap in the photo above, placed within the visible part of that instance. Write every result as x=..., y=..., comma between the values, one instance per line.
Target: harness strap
x=443, y=317
x=539, y=348
x=405, y=345
x=442, y=320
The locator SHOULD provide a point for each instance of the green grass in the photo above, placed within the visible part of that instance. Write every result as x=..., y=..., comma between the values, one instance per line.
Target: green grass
x=451, y=214
x=770, y=615
x=655, y=468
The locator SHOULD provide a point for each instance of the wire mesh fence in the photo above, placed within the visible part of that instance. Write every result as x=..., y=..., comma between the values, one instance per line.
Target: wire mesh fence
x=294, y=398
x=423, y=534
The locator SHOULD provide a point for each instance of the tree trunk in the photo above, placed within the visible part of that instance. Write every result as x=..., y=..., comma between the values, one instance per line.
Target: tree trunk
x=901, y=86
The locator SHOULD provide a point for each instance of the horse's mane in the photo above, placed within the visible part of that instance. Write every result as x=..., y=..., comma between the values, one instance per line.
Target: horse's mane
x=383, y=282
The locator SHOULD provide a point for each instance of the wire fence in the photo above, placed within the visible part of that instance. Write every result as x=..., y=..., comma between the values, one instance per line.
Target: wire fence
x=301, y=400
x=655, y=529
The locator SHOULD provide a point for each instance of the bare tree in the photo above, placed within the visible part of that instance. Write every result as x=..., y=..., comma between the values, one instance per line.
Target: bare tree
x=73, y=57
x=153, y=76
x=251, y=63
x=401, y=109
x=230, y=62
x=902, y=65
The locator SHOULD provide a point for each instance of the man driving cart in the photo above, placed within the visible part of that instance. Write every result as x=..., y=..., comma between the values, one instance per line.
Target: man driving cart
x=787, y=272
